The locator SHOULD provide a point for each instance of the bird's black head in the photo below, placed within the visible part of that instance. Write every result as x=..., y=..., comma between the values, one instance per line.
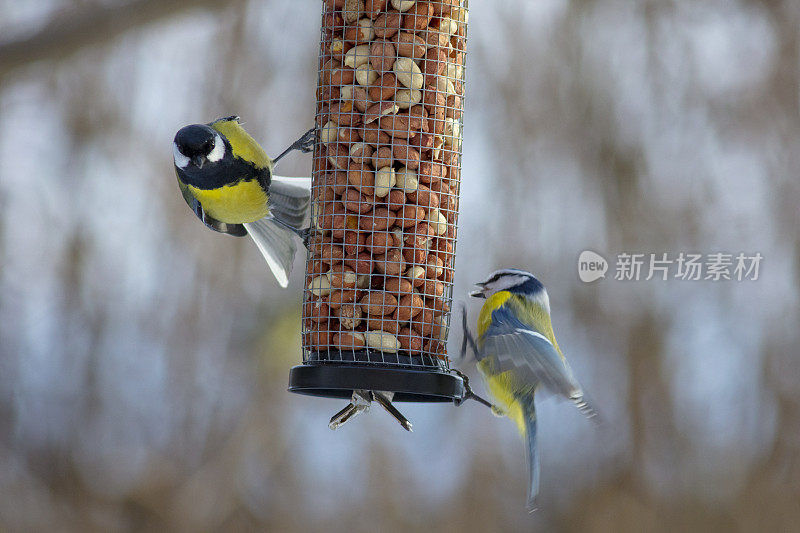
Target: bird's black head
x=197, y=145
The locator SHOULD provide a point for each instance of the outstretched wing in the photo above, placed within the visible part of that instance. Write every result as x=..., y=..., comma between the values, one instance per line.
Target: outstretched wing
x=513, y=346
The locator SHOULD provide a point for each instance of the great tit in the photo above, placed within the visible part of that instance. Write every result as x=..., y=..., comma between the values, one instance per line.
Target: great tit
x=226, y=178
x=518, y=354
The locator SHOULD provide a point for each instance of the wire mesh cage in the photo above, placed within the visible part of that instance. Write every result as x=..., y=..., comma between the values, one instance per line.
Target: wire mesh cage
x=385, y=185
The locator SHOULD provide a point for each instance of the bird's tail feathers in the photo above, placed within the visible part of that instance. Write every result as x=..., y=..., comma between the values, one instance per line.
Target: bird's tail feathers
x=276, y=243
x=529, y=413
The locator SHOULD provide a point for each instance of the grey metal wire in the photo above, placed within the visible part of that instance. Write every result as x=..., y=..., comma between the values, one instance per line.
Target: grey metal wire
x=386, y=182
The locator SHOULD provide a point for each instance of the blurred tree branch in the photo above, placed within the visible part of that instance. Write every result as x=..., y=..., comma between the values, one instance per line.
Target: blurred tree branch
x=90, y=25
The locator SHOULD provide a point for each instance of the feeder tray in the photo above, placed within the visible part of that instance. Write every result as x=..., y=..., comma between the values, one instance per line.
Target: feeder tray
x=407, y=384
x=384, y=213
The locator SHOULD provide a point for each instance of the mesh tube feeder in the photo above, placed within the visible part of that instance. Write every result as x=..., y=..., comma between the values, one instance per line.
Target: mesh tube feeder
x=384, y=214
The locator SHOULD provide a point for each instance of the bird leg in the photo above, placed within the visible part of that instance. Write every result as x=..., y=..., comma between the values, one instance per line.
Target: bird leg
x=467, y=337
x=304, y=234
x=468, y=393
x=305, y=144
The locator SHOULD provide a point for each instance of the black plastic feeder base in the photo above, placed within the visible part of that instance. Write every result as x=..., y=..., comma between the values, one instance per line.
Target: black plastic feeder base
x=323, y=376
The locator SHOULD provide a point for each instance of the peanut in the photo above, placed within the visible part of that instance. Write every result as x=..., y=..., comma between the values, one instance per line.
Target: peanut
x=338, y=298
x=410, y=45
x=418, y=17
x=372, y=134
x=410, y=341
x=384, y=181
x=361, y=33
x=384, y=89
x=380, y=242
x=402, y=5
x=365, y=74
x=353, y=241
x=351, y=10
x=416, y=274
x=378, y=303
x=341, y=277
x=382, y=54
x=357, y=56
x=407, y=180
x=316, y=310
x=396, y=199
x=360, y=152
x=328, y=133
x=352, y=340
x=391, y=263
x=437, y=220
x=405, y=98
x=387, y=24
x=361, y=263
x=435, y=266
x=376, y=111
x=410, y=215
x=380, y=219
x=408, y=73
x=398, y=285
x=320, y=285
x=408, y=307
x=374, y=8
x=388, y=324
x=349, y=315
x=382, y=341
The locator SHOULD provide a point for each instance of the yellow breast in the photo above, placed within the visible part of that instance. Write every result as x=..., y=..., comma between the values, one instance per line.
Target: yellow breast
x=242, y=202
x=492, y=303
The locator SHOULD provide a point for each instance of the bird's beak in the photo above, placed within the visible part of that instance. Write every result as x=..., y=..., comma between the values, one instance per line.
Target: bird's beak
x=479, y=293
x=199, y=161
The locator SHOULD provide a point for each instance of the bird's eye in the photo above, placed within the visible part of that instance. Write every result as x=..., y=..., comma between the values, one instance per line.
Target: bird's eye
x=207, y=146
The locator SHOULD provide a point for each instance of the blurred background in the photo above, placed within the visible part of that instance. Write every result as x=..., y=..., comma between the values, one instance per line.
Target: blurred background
x=144, y=359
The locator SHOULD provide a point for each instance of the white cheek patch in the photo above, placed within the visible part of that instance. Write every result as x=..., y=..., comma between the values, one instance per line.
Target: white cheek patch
x=181, y=161
x=219, y=149
x=543, y=299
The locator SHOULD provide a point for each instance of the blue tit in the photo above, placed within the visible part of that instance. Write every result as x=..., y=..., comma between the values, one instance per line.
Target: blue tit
x=226, y=178
x=518, y=355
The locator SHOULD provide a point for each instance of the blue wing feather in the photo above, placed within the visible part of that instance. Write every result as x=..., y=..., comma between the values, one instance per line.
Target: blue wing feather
x=513, y=346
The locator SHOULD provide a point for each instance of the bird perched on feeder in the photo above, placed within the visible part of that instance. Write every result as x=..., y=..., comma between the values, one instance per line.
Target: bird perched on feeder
x=518, y=355
x=226, y=178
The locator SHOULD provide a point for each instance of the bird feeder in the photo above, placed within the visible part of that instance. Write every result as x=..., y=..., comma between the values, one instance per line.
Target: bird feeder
x=385, y=190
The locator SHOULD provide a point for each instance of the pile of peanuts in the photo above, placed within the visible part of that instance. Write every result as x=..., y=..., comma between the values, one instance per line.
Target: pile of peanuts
x=386, y=176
